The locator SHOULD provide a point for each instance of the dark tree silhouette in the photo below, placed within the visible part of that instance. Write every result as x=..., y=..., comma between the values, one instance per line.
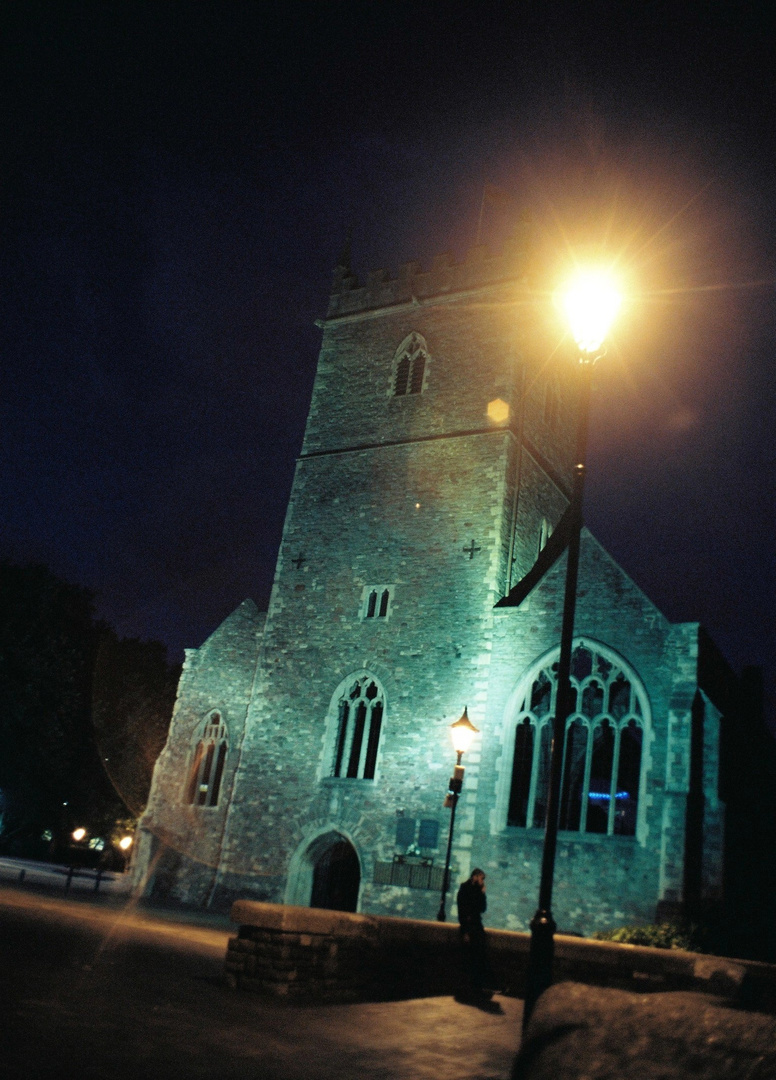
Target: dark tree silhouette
x=60, y=669
x=134, y=693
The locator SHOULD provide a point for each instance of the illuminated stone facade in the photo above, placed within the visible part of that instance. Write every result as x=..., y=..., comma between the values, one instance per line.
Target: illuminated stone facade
x=308, y=755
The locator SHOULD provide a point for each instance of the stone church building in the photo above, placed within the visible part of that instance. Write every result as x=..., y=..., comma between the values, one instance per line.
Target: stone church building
x=309, y=752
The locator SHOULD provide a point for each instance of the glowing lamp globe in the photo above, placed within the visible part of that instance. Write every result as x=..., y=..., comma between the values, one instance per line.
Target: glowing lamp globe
x=79, y=834
x=591, y=301
x=125, y=843
x=462, y=732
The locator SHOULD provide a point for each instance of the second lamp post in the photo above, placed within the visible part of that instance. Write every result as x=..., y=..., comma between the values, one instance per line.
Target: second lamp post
x=461, y=732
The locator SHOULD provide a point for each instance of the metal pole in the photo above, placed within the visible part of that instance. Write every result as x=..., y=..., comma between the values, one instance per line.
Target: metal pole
x=456, y=783
x=542, y=949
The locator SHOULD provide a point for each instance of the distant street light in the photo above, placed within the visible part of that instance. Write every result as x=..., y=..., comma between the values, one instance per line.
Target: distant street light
x=78, y=834
x=461, y=732
x=124, y=844
x=590, y=301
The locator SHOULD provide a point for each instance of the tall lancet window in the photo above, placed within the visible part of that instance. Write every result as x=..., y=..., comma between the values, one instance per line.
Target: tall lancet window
x=359, y=721
x=207, y=763
x=602, y=747
x=409, y=366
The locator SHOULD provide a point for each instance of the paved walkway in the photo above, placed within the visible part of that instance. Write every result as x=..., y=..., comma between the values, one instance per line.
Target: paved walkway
x=98, y=990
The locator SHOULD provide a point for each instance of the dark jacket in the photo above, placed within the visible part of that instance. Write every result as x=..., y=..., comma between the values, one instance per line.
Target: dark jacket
x=472, y=902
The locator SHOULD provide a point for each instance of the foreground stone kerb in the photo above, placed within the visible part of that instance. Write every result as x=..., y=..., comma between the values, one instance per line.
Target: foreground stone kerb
x=580, y=1032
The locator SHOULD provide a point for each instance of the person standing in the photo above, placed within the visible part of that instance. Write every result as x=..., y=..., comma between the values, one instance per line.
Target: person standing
x=472, y=904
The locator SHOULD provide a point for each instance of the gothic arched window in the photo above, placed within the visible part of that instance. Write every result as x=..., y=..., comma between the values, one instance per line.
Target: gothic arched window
x=207, y=763
x=602, y=748
x=409, y=366
x=359, y=720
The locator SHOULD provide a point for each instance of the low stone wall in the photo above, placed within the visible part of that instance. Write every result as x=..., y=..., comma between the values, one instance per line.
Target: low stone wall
x=310, y=954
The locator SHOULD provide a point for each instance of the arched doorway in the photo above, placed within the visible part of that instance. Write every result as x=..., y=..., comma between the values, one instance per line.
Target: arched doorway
x=336, y=878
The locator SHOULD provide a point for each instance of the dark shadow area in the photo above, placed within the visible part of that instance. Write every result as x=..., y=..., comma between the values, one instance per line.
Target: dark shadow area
x=748, y=789
x=483, y=1002
x=336, y=878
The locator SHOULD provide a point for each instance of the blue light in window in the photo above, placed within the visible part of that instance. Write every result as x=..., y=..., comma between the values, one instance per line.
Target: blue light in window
x=605, y=795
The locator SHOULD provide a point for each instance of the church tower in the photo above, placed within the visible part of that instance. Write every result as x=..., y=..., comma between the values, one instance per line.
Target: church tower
x=436, y=453
x=308, y=756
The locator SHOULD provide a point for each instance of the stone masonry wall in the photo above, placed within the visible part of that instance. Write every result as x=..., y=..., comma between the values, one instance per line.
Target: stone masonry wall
x=181, y=844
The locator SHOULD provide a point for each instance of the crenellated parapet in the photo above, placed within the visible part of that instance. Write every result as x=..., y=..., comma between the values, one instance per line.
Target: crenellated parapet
x=481, y=267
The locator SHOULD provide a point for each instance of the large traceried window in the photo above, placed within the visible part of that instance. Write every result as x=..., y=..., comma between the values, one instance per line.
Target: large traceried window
x=359, y=720
x=207, y=764
x=602, y=748
x=409, y=366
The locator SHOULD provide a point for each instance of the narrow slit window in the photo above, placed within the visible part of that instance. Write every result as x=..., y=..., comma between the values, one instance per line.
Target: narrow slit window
x=376, y=603
x=358, y=737
x=403, y=371
x=599, y=795
x=521, y=773
x=542, y=776
x=215, y=787
x=193, y=786
x=342, y=730
x=573, y=775
x=418, y=371
x=628, y=775
x=204, y=782
x=544, y=535
x=410, y=363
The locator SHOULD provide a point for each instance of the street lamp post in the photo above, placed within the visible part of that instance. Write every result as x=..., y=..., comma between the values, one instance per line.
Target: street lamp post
x=590, y=303
x=461, y=732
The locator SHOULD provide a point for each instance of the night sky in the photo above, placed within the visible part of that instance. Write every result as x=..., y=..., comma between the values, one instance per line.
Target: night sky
x=178, y=180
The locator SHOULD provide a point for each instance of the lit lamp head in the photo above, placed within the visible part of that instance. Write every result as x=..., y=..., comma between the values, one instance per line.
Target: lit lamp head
x=78, y=834
x=125, y=843
x=590, y=301
x=462, y=732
